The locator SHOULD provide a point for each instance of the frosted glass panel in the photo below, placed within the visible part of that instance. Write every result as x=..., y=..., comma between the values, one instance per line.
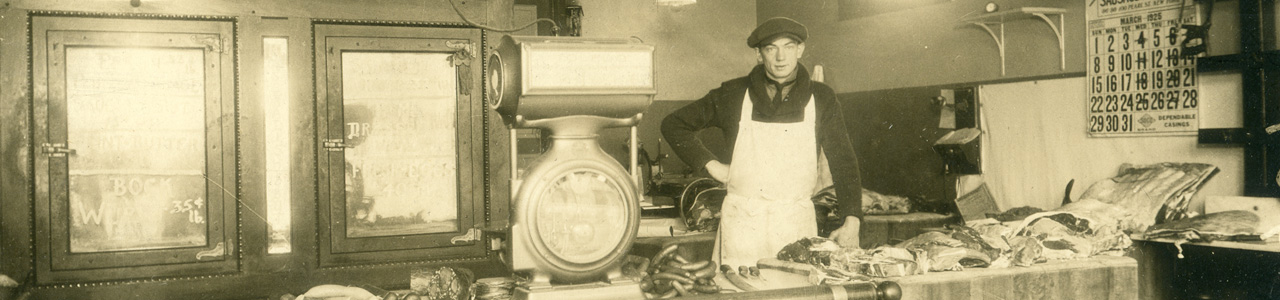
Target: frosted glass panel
x=275, y=101
x=399, y=121
x=136, y=118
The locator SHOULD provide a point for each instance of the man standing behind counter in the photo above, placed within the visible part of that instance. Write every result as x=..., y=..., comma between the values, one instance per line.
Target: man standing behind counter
x=788, y=140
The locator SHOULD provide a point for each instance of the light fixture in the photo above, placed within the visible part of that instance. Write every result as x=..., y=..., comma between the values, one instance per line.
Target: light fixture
x=675, y=3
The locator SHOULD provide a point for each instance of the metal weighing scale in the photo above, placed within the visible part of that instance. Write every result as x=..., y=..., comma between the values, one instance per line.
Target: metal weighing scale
x=575, y=211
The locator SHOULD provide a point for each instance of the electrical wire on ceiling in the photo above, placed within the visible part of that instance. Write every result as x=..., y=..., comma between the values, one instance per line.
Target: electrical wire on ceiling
x=554, y=27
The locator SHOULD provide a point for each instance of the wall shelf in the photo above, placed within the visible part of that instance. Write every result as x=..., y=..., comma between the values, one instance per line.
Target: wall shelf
x=997, y=19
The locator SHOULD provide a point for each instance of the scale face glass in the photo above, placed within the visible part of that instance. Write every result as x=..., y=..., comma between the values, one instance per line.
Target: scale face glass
x=580, y=216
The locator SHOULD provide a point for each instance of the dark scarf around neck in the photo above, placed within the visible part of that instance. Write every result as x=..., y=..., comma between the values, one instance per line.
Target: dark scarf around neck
x=801, y=90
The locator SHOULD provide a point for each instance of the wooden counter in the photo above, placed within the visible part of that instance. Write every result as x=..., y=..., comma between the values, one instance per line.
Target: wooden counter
x=1096, y=278
x=1217, y=270
x=1101, y=277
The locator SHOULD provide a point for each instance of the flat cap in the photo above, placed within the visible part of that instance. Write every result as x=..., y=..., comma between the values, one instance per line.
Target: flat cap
x=774, y=27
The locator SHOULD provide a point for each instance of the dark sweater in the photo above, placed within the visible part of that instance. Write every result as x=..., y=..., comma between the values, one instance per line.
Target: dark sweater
x=721, y=108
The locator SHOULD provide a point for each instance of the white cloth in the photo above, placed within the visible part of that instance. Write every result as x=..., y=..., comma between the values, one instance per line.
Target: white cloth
x=772, y=177
x=1031, y=147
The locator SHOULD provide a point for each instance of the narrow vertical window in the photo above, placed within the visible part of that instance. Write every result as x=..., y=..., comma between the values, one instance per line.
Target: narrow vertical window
x=275, y=99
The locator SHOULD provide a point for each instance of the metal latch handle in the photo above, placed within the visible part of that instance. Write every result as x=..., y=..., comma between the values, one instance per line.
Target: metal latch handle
x=336, y=144
x=56, y=150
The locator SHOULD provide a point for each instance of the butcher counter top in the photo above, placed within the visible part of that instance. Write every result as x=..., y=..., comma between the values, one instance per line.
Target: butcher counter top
x=1099, y=277
x=1096, y=278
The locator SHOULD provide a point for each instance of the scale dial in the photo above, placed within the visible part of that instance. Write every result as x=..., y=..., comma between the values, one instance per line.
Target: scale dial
x=578, y=216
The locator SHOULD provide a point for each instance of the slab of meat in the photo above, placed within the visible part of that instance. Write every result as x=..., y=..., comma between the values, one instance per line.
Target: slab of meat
x=955, y=248
x=1085, y=228
x=930, y=238
x=993, y=233
x=810, y=250
x=1209, y=227
x=874, y=203
x=1224, y=225
x=1153, y=193
x=1015, y=214
x=943, y=258
x=1026, y=251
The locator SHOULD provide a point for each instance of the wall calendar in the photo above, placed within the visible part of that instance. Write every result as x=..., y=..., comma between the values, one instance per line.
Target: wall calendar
x=1138, y=82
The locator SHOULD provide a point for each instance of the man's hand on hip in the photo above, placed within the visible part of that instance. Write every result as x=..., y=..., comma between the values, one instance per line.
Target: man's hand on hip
x=718, y=170
x=848, y=234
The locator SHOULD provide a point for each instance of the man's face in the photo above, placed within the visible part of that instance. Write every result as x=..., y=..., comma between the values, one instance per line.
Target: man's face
x=781, y=56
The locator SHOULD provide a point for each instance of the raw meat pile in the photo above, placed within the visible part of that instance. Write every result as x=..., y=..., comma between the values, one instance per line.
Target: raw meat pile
x=1077, y=230
x=1154, y=193
x=1227, y=225
x=1137, y=198
x=829, y=263
x=874, y=203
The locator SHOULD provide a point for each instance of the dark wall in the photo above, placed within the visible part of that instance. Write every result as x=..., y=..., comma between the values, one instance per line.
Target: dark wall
x=614, y=140
x=893, y=133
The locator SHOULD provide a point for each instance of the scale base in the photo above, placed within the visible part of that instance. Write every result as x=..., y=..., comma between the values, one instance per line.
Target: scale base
x=623, y=289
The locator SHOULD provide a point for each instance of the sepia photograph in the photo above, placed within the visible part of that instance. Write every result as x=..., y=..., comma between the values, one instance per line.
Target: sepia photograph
x=639, y=149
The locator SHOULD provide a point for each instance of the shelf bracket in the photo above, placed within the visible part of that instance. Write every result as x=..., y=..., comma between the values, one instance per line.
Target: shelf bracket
x=1057, y=30
x=998, y=38
x=997, y=19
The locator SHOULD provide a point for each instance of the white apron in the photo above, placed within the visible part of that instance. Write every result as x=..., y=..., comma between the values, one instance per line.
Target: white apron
x=771, y=179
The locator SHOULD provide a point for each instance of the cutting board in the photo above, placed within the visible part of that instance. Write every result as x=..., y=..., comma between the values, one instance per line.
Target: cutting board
x=1267, y=209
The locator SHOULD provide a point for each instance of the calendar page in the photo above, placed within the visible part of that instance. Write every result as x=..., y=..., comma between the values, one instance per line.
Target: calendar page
x=1138, y=83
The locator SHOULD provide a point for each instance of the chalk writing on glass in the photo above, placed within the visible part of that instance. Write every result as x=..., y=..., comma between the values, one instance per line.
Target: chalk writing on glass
x=136, y=117
x=399, y=118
